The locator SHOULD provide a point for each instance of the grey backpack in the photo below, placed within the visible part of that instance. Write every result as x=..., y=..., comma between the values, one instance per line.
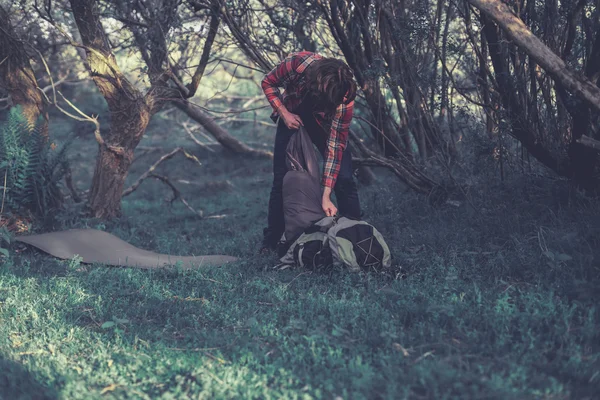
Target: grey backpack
x=311, y=249
x=358, y=245
x=340, y=241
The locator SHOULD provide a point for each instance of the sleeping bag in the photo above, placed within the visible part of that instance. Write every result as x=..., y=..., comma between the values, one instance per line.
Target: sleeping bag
x=301, y=187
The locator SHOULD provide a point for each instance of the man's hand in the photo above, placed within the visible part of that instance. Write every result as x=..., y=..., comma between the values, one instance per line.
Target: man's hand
x=328, y=206
x=292, y=121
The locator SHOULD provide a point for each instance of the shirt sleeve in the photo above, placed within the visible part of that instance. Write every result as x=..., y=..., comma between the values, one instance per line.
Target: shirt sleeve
x=278, y=77
x=336, y=144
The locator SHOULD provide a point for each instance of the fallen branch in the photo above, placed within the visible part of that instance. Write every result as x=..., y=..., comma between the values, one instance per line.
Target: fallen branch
x=221, y=135
x=246, y=120
x=208, y=187
x=589, y=142
x=188, y=130
x=144, y=150
x=176, y=193
x=404, y=169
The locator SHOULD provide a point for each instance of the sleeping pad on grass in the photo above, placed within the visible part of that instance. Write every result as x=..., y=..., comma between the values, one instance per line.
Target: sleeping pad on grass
x=95, y=246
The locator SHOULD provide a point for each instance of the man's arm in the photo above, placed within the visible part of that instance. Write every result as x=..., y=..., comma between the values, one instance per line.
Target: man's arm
x=336, y=144
x=278, y=77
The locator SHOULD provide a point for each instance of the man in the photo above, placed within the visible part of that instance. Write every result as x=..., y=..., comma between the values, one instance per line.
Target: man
x=319, y=95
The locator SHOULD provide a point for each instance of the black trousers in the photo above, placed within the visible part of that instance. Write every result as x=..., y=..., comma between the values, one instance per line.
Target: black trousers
x=345, y=189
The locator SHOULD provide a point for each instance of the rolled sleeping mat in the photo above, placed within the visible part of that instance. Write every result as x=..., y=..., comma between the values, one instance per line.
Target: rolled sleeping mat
x=95, y=246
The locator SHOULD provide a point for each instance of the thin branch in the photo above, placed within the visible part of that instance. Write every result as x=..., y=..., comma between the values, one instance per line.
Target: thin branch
x=589, y=142
x=227, y=120
x=381, y=133
x=150, y=174
x=71, y=186
x=187, y=130
x=240, y=111
x=225, y=60
x=84, y=117
x=150, y=170
x=176, y=193
x=115, y=149
x=212, y=33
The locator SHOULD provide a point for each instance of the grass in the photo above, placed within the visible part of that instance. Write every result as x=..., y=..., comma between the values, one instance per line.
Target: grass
x=498, y=301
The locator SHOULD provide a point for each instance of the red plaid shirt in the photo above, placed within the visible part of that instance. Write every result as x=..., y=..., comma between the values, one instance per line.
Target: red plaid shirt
x=289, y=75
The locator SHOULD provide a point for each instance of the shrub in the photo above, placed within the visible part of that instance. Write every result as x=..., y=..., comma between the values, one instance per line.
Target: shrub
x=31, y=167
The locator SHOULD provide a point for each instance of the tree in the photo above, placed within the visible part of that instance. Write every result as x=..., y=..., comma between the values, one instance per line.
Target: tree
x=130, y=107
x=151, y=28
x=16, y=73
x=130, y=112
x=527, y=95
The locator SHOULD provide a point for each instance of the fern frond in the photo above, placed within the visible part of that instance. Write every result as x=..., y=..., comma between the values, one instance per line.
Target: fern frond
x=32, y=166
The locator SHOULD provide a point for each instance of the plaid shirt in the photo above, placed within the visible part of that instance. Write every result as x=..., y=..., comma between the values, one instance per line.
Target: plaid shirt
x=289, y=74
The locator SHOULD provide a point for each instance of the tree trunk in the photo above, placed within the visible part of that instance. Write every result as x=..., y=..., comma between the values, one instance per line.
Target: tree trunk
x=16, y=75
x=130, y=113
x=112, y=165
x=108, y=183
x=582, y=162
x=542, y=54
x=445, y=78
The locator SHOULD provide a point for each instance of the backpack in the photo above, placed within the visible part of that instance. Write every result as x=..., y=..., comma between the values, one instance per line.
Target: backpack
x=358, y=245
x=311, y=249
x=340, y=241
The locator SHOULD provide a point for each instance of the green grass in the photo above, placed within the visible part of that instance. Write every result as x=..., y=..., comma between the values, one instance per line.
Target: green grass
x=497, y=302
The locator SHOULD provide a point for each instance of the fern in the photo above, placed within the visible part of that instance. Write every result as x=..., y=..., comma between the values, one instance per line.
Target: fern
x=32, y=168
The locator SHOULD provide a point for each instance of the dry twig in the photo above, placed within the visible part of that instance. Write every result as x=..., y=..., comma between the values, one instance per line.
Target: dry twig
x=589, y=142
x=188, y=130
x=150, y=174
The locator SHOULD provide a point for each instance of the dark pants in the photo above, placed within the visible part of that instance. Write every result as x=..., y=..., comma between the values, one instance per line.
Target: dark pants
x=345, y=189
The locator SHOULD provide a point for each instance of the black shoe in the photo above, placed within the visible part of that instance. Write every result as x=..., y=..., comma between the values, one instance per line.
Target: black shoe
x=282, y=248
x=266, y=250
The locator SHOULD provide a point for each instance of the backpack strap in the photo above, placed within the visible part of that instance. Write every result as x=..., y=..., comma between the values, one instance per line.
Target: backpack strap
x=316, y=228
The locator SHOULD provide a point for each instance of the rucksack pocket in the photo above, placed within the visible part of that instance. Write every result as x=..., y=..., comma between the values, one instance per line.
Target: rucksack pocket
x=313, y=254
x=358, y=246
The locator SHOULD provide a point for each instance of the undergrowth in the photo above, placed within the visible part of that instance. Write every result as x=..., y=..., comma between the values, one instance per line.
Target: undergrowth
x=498, y=300
x=31, y=167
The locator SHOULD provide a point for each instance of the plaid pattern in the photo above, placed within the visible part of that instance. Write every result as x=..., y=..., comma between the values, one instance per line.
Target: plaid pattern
x=289, y=74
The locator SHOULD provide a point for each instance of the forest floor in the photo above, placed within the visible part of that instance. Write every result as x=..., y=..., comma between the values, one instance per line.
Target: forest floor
x=499, y=298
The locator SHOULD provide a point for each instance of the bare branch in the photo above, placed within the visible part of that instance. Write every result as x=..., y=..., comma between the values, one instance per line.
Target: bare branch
x=589, y=142
x=176, y=194
x=150, y=170
x=150, y=174
x=187, y=130
x=221, y=135
x=71, y=186
x=212, y=33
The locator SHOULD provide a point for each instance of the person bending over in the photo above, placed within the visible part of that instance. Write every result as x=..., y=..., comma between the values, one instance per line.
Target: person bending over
x=319, y=95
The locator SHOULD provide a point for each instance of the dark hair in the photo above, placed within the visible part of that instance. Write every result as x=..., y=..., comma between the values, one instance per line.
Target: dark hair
x=332, y=81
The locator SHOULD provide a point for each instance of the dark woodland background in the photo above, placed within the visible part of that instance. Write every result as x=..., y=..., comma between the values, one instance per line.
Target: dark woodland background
x=476, y=144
